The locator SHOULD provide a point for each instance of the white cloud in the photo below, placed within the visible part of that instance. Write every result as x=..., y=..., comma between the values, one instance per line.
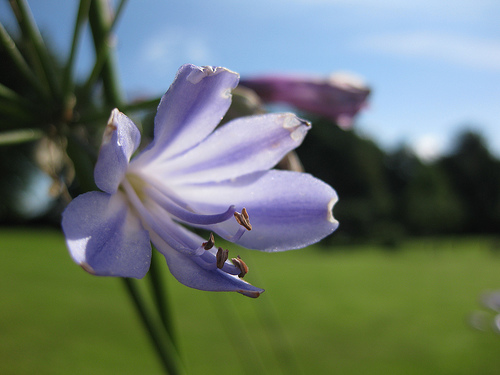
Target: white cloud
x=428, y=147
x=456, y=49
x=457, y=9
x=171, y=48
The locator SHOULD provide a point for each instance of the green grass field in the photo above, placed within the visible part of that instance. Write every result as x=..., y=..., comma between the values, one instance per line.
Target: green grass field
x=355, y=310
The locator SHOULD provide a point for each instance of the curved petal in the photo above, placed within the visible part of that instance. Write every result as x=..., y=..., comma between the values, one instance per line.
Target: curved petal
x=339, y=97
x=119, y=141
x=287, y=210
x=189, y=272
x=240, y=147
x=104, y=237
x=190, y=110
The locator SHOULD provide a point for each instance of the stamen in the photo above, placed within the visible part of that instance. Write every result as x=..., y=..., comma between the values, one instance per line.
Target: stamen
x=243, y=219
x=221, y=257
x=238, y=262
x=184, y=213
x=210, y=243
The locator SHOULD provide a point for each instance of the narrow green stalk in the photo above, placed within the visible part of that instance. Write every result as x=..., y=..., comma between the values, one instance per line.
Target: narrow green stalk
x=277, y=338
x=19, y=136
x=20, y=63
x=159, y=295
x=162, y=344
x=118, y=12
x=31, y=32
x=245, y=348
x=103, y=115
x=141, y=105
x=84, y=157
x=105, y=66
x=11, y=97
x=15, y=106
x=81, y=17
x=273, y=329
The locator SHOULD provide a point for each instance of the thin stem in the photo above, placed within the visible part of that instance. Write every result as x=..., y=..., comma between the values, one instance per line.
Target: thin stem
x=19, y=136
x=101, y=24
x=20, y=63
x=245, y=348
x=30, y=30
x=118, y=12
x=15, y=106
x=272, y=327
x=103, y=115
x=163, y=346
x=81, y=17
x=159, y=295
x=141, y=105
x=12, y=98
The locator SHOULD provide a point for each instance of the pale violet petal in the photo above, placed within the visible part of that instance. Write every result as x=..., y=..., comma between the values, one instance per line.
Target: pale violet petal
x=188, y=271
x=105, y=237
x=287, y=210
x=120, y=139
x=190, y=110
x=339, y=97
x=240, y=147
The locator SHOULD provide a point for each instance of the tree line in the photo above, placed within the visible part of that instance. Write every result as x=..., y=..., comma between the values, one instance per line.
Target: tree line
x=385, y=195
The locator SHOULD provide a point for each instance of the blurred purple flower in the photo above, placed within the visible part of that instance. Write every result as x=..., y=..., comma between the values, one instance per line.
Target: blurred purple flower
x=338, y=98
x=191, y=174
x=491, y=300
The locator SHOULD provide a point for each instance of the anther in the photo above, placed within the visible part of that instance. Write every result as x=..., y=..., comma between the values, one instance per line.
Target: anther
x=243, y=219
x=210, y=243
x=238, y=262
x=221, y=257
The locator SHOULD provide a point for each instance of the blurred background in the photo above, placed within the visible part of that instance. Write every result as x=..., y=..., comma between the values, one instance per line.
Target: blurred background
x=397, y=289
x=434, y=65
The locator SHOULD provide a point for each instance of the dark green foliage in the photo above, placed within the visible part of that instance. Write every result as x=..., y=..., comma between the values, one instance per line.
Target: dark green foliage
x=385, y=195
x=355, y=167
x=475, y=175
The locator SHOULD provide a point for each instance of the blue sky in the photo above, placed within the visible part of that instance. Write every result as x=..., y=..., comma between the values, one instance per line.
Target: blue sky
x=434, y=66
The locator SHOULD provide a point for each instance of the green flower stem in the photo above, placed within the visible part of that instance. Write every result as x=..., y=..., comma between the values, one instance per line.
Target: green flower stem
x=20, y=136
x=83, y=10
x=245, y=347
x=20, y=63
x=118, y=11
x=83, y=157
x=164, y=347
x=14, y=100
x=141, y=105
x=101, y=23
x=159, y=294
x=15, y=110
x=103, y=115
x=41, y=55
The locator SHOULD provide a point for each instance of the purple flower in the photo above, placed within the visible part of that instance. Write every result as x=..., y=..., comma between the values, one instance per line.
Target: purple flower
x=339, y=97
x=193, y=174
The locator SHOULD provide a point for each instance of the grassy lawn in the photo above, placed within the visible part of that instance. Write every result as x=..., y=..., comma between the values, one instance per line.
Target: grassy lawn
x=357, y=310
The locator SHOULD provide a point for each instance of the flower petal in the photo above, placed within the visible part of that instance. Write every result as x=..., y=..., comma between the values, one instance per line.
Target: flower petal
x=190, y=110
x=104, y=237
x=119, y=141
x=339, y=97
x=287, y=210
x=189, y=272
x=240, y=147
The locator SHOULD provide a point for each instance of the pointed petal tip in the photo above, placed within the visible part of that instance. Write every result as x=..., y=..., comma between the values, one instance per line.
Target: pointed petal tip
x=296, y=126
x=292, y=121
x=199, y=72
